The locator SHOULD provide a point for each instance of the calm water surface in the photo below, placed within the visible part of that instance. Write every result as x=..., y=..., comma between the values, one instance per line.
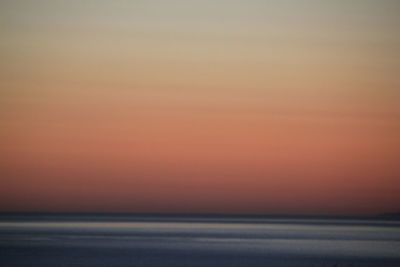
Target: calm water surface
x=196, y=241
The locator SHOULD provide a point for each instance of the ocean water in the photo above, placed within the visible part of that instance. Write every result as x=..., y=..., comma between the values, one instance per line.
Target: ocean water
x=133, y=240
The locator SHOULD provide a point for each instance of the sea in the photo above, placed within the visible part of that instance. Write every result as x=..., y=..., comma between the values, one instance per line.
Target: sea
x=196, y=240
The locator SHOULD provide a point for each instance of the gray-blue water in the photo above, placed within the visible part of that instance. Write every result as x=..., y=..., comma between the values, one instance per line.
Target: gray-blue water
x=197, y=241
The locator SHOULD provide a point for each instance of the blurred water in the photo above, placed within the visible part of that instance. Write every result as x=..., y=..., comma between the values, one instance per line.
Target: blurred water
x=175, y=241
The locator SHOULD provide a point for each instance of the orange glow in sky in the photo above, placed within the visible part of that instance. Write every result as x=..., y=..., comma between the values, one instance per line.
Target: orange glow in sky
x=276, y=107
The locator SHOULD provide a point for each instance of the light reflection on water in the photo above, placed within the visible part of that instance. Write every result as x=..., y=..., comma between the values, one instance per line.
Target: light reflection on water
x=345, y=240
x=192, y=225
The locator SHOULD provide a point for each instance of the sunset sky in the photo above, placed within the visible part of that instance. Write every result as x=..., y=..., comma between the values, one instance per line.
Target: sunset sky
x=211, y=106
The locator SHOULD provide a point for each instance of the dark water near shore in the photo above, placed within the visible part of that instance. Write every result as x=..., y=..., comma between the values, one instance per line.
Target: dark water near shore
x=109, y=240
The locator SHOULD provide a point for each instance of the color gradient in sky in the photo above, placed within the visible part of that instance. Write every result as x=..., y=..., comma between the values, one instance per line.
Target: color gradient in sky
x=288, y=107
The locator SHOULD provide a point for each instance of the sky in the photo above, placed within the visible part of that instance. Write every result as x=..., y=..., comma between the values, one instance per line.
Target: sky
x=254, y=107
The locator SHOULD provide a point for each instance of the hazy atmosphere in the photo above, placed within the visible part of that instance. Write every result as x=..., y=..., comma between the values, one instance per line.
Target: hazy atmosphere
x=256, y=107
